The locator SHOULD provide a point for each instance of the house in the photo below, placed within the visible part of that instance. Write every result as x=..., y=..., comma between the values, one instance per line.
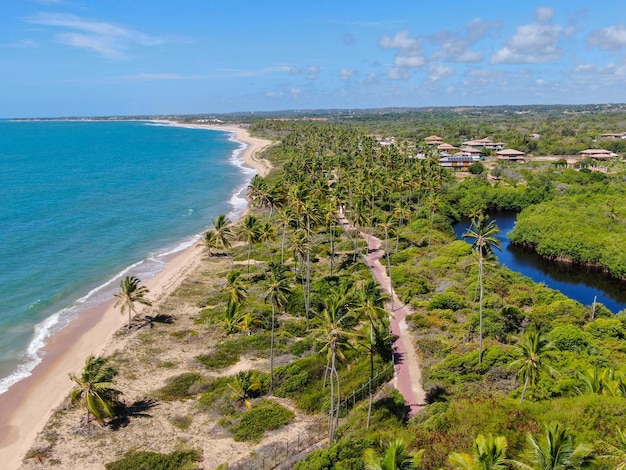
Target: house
x=470, y=152
x=510, y=155
x=457, y=161
x=613, y=136
x=447, y=147
x=598, y=154
x=484, y=144
x=433, y=140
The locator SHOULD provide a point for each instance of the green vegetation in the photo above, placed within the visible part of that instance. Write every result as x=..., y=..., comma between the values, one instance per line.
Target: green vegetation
x=265, y=416
x=146, y=460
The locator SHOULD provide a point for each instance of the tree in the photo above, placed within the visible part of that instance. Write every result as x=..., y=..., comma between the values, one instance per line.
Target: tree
x=235, y=287
x=483, y=233
x=395, y=457
x=616, y=454
x=278, y=289
x=489, y=454
x=94, y=389
x=129, y=294
x=208, y=241
x=534, y=349
x=334, y=334
x=249, y=233
x=243, y=386
x=557, y=451
x=371, y=302
x=223, y=232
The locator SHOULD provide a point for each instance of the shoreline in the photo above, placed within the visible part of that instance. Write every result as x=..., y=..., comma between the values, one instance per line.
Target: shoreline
x=27, y=406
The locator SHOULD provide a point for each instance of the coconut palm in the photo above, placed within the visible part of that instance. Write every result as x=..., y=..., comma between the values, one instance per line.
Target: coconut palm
x=130, y=293
x=208, y=241
x=371, y=303
x=483, y=233
x=615, y=454
x=534, y=350
x=557, y=450
x=489, y=454
x=395, y=457
x=223, y=232
x=243, y=386
x=94, y=389
x=235, y=287
x=278, y=289
x=249, y=233
x=337, y=324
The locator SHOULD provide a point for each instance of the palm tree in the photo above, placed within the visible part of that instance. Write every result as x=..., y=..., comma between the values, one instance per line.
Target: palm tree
x=483, y=234
x=249, y=232
x=534, y=349
x=616, y=454
x=223, y=232
x=371, y=303
x=235, y=287
x=387, y=224
x=208, y=241
x=266, y=234
x=394, y=457
x=94, y=389
x=130, y=293
x=278, y=289
x=557, y=451
x=244, y=385
x=334, y=334
x=489, y=454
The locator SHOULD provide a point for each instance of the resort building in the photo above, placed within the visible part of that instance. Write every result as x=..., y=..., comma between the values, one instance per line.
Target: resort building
x=598, y=154
x=433, y=140
x=613, y=136
x=470, y=152
x=484, y=144
x=457, y=162
x=511, y=155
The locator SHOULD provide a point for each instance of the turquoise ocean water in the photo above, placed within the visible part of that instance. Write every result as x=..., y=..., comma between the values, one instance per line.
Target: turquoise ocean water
x=84, y=203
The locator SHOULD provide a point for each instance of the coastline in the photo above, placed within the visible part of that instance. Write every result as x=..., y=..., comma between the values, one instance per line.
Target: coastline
x=27, y=405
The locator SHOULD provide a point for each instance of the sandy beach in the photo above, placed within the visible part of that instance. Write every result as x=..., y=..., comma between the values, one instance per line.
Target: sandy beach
x=28, y=405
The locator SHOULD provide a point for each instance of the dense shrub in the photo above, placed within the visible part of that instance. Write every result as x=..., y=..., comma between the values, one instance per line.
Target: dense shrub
x=265, y=416
x=182, y=387
x=146, y=460
x=446, y=300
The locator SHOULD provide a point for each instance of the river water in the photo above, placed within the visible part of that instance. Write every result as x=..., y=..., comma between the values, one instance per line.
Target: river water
x=576, y=282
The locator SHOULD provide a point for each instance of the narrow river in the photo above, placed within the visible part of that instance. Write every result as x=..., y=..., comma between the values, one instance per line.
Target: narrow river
x=579, y=283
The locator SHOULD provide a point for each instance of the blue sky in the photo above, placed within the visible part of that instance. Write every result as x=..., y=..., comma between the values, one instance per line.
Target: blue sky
x=112, y=57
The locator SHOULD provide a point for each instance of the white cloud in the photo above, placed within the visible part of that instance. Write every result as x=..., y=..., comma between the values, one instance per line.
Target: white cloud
x=611, y=38
x=400, y=41
x=438, y=71
x=108, y=39
x=534, y=43
x=312, y=71
x=398, y=74
x=455, y=47
x=346, y=74
x=296, y=92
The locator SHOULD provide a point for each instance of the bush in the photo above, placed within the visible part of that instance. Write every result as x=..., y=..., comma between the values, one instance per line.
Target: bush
x=146, y=460
x=569, y=338
x=266, y=416
x=605, y=328
x=182, y=387
x=476, y=168
x=446, y=300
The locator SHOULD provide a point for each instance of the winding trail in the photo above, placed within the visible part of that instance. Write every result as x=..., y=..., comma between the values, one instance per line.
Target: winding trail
x=408, y=372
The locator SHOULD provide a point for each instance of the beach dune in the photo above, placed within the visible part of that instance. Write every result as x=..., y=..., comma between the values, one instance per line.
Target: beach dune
x=27, y=406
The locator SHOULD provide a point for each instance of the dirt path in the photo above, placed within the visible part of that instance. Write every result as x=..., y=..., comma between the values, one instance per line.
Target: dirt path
x=408, y=373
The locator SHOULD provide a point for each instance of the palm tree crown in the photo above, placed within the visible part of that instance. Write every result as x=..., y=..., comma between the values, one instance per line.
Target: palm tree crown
x=131, y=292
x=94, y=388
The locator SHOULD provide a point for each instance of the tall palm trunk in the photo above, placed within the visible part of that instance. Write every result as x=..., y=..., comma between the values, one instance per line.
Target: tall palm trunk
x=480, y=309
x=272, y=352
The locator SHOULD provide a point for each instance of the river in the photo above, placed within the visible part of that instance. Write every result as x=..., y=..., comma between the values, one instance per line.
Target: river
x=579, y=283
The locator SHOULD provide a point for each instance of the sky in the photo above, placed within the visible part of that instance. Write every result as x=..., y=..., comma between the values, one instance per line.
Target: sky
x=156, y=57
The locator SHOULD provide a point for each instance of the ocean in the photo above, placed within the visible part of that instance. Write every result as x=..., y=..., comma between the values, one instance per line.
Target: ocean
x=83, y=204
